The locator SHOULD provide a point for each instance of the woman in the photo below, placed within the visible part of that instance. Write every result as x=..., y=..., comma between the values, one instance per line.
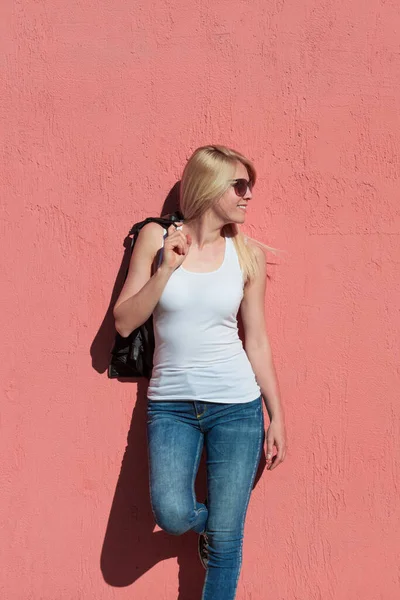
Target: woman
x=206, y=388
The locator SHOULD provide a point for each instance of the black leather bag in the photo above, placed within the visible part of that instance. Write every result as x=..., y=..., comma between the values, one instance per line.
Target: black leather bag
x=132, y=356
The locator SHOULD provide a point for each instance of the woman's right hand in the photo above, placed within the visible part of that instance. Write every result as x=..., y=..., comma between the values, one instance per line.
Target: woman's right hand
x=176, y=247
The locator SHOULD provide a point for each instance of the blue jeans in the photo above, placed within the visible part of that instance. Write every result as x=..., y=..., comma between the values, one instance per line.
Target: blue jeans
x=233, y=436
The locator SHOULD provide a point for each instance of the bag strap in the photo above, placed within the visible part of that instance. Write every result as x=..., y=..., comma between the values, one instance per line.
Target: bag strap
x=165, y=221
x=162, y=248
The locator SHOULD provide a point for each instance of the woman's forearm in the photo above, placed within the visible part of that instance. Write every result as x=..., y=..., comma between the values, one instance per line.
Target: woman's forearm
x=137, y=309
x=264, y=369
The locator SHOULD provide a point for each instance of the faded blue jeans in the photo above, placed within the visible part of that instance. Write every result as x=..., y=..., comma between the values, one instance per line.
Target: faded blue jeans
x=233, y=436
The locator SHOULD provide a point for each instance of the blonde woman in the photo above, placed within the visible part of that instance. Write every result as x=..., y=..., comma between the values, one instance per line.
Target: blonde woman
x=206, y=388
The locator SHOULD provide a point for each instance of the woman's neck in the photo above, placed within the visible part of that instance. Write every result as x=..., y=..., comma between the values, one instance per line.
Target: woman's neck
x=204, y=231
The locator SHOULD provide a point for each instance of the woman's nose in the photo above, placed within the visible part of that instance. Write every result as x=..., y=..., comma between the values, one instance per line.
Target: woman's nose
x=248, y=195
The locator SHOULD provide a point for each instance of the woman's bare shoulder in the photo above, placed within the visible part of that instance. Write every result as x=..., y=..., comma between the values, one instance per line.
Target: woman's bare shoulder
x=152, y=231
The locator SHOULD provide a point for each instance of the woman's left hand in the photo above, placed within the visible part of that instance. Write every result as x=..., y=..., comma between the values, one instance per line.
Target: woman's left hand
x=276, y=436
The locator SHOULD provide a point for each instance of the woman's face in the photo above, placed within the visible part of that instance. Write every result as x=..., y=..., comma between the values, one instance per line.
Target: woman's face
x=231, y=208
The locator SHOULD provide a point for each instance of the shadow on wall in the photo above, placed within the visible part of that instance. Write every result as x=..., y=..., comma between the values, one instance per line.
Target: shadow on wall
x=131, y=546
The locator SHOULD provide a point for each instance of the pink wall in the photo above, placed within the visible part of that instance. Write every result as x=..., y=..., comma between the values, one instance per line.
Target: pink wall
x=102, y=103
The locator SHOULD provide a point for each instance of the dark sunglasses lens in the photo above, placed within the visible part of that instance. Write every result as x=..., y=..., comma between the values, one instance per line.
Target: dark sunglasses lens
x=241, y=187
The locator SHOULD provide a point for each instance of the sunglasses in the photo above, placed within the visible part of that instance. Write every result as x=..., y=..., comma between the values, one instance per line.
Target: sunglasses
x=240, y=186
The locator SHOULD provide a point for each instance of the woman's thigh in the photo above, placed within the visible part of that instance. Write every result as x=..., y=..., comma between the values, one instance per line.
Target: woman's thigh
x=175, y=444
x=233, y=445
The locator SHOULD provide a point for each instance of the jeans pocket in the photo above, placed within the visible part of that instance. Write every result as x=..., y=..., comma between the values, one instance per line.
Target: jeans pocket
x=255, y=406
x=160, y=408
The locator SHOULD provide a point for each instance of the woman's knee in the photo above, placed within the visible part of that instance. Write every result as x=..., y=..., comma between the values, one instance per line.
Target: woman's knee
x=173, y=519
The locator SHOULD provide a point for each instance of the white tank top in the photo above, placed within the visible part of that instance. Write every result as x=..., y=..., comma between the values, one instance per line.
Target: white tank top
x=198, y=353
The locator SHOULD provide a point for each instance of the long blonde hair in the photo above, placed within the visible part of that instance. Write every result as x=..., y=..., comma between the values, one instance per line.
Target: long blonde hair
x=204, y=180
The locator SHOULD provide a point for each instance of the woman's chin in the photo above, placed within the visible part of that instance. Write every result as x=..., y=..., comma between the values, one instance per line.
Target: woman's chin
x=241, y=217
x=237, y=219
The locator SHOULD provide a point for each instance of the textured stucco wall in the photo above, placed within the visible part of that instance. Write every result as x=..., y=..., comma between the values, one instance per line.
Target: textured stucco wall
x=102, y=101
